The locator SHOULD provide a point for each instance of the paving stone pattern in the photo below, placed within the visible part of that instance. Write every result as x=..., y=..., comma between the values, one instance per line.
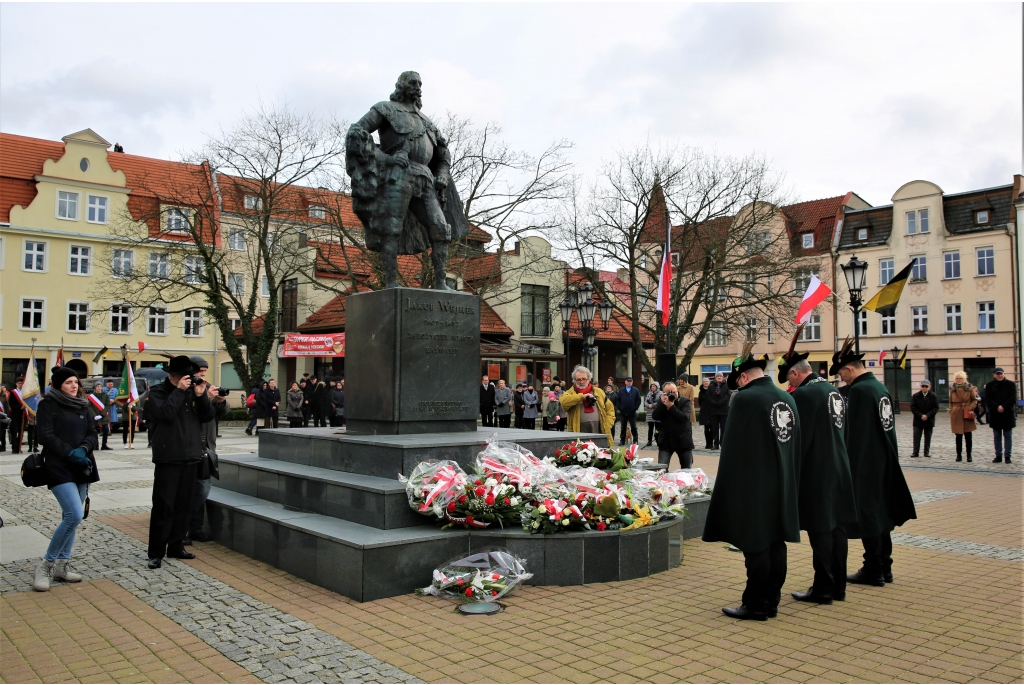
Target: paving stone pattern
x=269, y=643
x=932, y=495
x=959, y=547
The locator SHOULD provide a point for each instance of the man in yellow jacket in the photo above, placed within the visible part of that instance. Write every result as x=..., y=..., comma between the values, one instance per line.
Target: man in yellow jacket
x=588, y=409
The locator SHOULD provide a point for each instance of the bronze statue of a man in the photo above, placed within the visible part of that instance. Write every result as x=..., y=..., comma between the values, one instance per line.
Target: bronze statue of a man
x=402, y=190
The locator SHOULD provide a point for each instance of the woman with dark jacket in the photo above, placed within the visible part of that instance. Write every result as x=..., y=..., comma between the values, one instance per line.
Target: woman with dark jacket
x=675, y=432
x=67, y=433
x=337, y=404
x=295, y=402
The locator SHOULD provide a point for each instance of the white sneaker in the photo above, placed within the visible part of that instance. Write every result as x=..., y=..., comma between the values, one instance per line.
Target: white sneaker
x=44, y=573
x=62, y=571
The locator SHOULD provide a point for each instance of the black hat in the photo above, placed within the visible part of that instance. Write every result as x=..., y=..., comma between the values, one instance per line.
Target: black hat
x=786, y=361
x=61, y=374
x=844, y=356
x=744, y=362
x=199, y=361
x=181, y=365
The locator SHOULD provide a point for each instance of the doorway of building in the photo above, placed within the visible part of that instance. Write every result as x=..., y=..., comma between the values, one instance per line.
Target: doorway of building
x=979, y=370
x=938, y=373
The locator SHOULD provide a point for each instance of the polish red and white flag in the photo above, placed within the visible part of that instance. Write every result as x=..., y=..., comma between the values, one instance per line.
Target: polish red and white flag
x=881, y=356
x=815, y=295
x=665, y=278
x=142, y=347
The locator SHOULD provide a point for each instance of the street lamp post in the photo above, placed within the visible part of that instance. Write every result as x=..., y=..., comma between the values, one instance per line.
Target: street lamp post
x=856, y=273
x=895, y=378
x=582, y=304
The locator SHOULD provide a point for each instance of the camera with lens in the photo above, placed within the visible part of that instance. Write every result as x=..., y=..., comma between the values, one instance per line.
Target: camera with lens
x=196, y=380
x=588, y=402
x=223, y=392
x=671, y=396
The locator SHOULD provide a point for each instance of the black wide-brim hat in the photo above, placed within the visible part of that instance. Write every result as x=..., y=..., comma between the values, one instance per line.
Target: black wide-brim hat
x=181, y=365
x=843, y=357
x=739, y=366
x=788, y=361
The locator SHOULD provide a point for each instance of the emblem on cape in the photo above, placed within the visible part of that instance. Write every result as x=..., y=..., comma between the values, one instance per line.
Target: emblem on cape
x=885, y=413
x=836, y=409
x=781, y=418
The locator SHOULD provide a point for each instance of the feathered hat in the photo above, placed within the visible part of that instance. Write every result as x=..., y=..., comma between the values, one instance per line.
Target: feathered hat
x=844, y=356
x=791, y=357
x=743, y=362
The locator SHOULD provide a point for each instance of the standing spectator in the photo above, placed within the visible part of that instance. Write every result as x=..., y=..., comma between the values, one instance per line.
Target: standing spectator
x=961, y=413
x=610, y=383
x=519, y=405
x=628, y=403
x=589, y=409
x=338, y=403
x=317, y=400
x=295, y=404
x=176, y=410
x=531, y=403
x=981, y=411
x=503, y=403
x=261, y=406
x=1001, y=399
x=676, y=431
x=486, y=401
x=684, y=389
x=17, y=416
x=115, y=410
x=650, y=402
x=559, y=389
x=924, y=405
x=307, y=385
x=551, y=409
x=271, y=403
x=255, y=397
x=5, y=409
x=208, y=468
x=68, y=434
x=102, y=415
x=717, y=401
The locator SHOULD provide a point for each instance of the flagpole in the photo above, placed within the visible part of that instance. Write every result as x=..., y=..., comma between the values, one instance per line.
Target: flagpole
x=128, y=404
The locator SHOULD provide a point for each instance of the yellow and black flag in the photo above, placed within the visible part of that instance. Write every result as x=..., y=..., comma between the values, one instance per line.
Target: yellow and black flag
x=885, y=300
x=902, y=361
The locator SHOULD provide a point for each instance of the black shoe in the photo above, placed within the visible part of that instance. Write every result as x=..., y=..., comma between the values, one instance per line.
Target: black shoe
x=887, y=577
x=839, y=598
x=106, y=447
x=744, y=614
x=186, y=542
x=248, y=431
x=914, y=456
x=997, y=460
x=199, y=536
x=773, y=612
x=959, y=458
x=969, y=460
x=927, y=456
x=811, y=596
x=154, y=563
x=1008, y=461
x=180, y=554
x=862, y=578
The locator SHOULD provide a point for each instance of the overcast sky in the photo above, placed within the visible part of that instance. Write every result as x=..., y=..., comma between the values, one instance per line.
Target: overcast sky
x=839, y=97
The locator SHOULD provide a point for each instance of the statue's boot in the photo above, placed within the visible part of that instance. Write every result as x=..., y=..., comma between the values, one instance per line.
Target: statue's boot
x=389, y=262
x=439, y=258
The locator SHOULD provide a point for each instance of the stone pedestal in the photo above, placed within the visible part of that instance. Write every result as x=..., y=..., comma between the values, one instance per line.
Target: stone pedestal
x=414, y=362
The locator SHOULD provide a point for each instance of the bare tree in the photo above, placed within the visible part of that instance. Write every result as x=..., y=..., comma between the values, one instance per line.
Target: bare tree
x=731, y=264
x=228, y=226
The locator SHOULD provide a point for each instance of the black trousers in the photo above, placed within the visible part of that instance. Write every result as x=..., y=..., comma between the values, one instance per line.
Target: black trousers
x=319, y=419
x=530, y=424
x=631, y=420
x=651, y=428
x=766, y=574
x=718, y=429
x=685, y=458
x=878, y=554
x=828, y=557
x=960, y=439
x=519, y=420
x=306, y=411
x=504, y=420
x=709, y=440
x=173, y=485
x=487, y=418
x=927, y=431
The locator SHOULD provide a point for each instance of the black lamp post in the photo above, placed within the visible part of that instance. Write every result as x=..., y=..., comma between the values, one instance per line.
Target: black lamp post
x=582, y=304
x=856, y=273
x=895, y=378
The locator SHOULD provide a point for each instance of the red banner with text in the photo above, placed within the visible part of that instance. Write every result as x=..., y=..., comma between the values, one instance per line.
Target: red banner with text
x=324, y=345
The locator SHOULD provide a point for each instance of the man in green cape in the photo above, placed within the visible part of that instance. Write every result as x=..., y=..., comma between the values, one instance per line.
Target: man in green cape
x=826, y=486
x=754, y=502
x=883, y=498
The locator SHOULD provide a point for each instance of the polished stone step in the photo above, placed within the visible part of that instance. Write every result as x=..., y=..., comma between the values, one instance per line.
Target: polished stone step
x=366, y=500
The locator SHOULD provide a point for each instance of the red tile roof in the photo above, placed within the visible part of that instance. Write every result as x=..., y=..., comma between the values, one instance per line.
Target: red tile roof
x=619, y=325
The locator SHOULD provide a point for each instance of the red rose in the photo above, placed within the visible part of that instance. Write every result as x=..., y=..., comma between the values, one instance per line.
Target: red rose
x=462, y=499
x=451, y=506
x=600, y=526
x=489, y=500
x=480, y=492
x=494, y=593
x=478, y=482
x=507, y=501
x=469, y=518
x=495, y=576
x=572, y=450
x=469, y=592
x=459, y=581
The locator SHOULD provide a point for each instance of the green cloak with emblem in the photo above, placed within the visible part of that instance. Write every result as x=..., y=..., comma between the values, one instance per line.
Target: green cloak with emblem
x=754, y=501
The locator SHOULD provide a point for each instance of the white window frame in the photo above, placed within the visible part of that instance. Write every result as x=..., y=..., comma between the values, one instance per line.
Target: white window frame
x=177, y=220
x=950, y=263
x=126, y=313
x=919, y=272
x=253, y=202
x=919, y=318
x=193, y=269
x=882, y=270
x=78, y=314
x=917, y=222
x=812, y=329
x=236, y=279
x=863, y=322
x=235, y=323
x=59, y=199
x=802, y=280
x=117, y=264
x=32, y=310
x=89, y=207
x=75, y=261
x=192, y=323
x=154, y=316
x=158, y=260
x=888, y=327
x=986, y=316
x=236, y=239
x=807, y=241
x=716, y=337
x=318, y=212
x=770, y=330
x=45, y=255
x=954, y=318
x=750, y=329
x=264, y=287
x=862, y=234
x=983, y=216
x=989, y=259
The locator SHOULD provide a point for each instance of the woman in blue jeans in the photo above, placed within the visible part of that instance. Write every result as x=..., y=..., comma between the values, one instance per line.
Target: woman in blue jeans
x=67, y=433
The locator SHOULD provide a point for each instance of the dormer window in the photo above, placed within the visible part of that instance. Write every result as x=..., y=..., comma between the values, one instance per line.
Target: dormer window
x=982, y=216
x=862, y=234
x=177, y=220
x=317, y=212
x=917, y=222
x=808, y=240
x=253, y=202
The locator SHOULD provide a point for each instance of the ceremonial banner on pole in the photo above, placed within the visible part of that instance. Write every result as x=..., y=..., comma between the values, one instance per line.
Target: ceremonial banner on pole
x=30, y=391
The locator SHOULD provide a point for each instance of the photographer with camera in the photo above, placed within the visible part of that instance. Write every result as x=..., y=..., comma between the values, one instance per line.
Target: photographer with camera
x=176, y=409
x=587, y=407
x=675, y=432
x=67, y=432
x=207, y=469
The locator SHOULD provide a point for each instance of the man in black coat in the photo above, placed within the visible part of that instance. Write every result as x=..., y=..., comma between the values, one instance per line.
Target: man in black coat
x=520, y=405
x=1001, y=401
x=176, y=411
x=717, y=397
x=675, y=432
x=924, y=405
x=306, y=385
x=628, y=403
x=486, y=401
x=319, y=397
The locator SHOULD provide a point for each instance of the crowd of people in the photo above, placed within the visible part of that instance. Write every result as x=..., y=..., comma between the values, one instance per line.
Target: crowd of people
x=322, y=401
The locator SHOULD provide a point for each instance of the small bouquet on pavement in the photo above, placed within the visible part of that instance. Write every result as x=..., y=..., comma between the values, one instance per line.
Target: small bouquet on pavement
x=433, y=485
x=484, y=576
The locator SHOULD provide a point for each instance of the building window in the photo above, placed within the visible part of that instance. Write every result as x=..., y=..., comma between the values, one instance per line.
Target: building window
x=951, y=265
x=750, y=329
x=954, y=322
x=253, y=202
x=83, y=164
x=235, y=324
x=983, y=216
x=236, y=284
x=317, y=212
x=193, y=269
x=917, y=222
x=236, y=239
x=919, y=315
x=886, y=270
x=986, y=316
x=35, y=256
x=120, y=318
x=862, y=234
x=812, y=329
x=889, y=324
x=801, y=280
x=67, y=205
x=534, y=308
x=863, y=322
x=156, y=321
x=716, y=337
x=919, y=272
x=770, y=330
x=97, y=211
x=177, y=220
x=32, y=314
x=748, y=289
x=121, y=263
x=808, y=240
x=986, y=261
x=193, y=319
x=79, y=257
x=675, y=259
x=264, y=287
x=159, y=264
x=78, y=317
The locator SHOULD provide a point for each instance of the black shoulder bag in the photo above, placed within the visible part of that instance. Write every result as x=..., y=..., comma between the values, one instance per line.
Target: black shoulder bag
x=33, y=471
